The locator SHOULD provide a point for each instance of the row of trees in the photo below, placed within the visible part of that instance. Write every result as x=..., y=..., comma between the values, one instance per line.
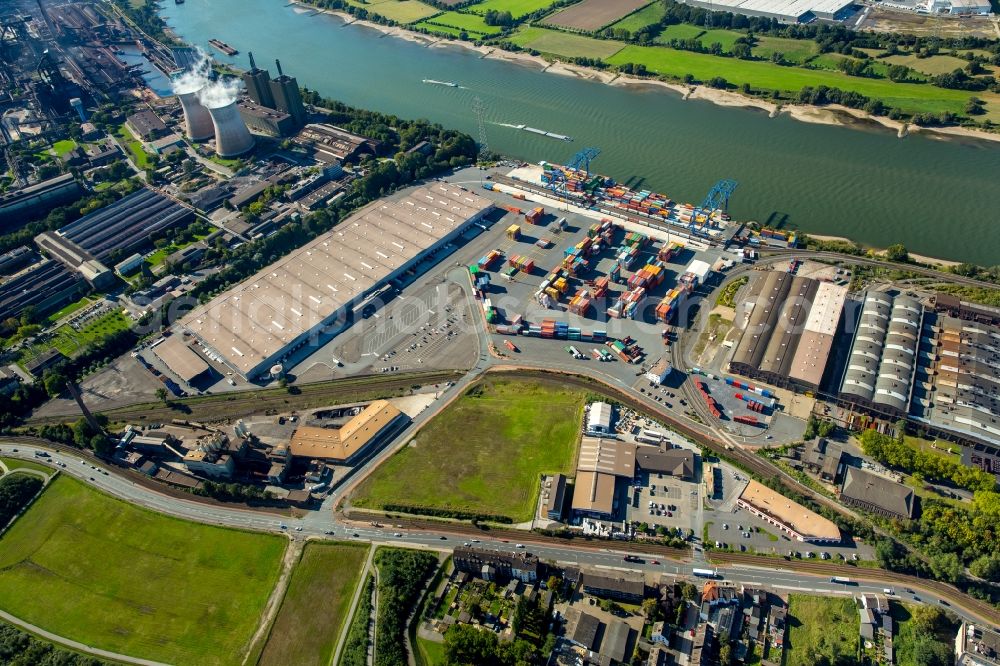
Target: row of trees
x=897, y=454
x=232, y=492
x=355, y=652
x=20, y=649
x=401, y=576
x=16, y=490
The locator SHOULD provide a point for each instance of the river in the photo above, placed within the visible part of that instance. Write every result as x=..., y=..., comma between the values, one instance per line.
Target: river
x=938, y=197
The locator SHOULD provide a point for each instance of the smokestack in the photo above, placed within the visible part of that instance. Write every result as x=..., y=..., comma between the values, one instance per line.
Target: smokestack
x=232, y=137
x=253, y=65
x=197, y=120
x=277, y=63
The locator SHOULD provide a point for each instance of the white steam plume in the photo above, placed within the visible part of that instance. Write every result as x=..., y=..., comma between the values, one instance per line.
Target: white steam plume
x=194, y=78
x=219, y=93
x=198, y=79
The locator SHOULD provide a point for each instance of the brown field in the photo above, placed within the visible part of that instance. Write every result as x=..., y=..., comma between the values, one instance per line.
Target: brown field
x=882, y=19
x=591, y=15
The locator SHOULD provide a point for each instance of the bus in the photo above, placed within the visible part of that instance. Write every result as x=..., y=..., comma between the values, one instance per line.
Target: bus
x=705, y=573
x=841, y=580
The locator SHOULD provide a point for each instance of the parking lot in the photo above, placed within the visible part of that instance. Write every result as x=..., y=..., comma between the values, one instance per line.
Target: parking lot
x=659, y=499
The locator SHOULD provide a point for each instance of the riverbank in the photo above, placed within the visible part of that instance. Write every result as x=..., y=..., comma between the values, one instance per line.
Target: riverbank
x=832, y=114
x=929, y=262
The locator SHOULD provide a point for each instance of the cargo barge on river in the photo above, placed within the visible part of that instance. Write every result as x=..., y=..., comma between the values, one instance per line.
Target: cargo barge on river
x=222, y=46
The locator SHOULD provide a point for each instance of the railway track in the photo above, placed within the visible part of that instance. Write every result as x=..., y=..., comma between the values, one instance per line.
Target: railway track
x=237, y=405
x=851, y=259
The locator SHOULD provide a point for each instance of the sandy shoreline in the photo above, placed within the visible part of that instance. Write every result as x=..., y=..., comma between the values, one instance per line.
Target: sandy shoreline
x=831, y=114
x=918, y=258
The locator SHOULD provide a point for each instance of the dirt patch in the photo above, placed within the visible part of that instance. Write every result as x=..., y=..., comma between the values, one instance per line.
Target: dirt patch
x=886, y=20
x=591, y=15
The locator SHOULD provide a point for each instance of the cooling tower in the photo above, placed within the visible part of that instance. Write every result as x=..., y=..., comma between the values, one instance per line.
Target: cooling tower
x=196, y=117
x=231, y=134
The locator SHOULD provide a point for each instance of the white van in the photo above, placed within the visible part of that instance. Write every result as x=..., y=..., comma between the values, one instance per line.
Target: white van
x=888, y=591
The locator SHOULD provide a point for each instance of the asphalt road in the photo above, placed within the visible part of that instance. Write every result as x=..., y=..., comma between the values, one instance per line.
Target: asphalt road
x=778, y=575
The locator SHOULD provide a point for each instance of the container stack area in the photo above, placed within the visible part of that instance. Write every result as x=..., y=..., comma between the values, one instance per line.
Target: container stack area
x=595, y=190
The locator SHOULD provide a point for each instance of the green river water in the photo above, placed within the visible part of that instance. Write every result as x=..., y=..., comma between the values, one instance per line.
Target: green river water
x=938, y=197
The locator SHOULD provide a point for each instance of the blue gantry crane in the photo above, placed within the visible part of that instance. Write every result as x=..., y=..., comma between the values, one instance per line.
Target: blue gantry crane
x=716, y=199
x=579, y=162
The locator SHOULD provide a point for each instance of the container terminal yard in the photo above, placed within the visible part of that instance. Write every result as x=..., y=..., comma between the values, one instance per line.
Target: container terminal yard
x=705, y=347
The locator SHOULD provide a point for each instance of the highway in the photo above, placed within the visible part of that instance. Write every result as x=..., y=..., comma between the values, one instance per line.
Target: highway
x=777, y=574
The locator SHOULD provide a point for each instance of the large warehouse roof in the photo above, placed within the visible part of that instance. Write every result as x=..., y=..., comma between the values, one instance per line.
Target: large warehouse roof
x=342, y=444
x=810, y=525
x=608, y=456
x=791, y=324
x=258, y=319
x=180, y=358
x=883, y=356
x=783, y=10
x=594, y=492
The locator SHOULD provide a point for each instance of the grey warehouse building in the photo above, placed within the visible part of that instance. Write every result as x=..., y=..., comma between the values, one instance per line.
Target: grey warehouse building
x=883, y=357
x=310, y=293
x=785, y=11
x=791, y=324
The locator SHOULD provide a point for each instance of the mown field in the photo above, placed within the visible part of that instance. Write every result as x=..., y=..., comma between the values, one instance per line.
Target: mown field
x=315, y=606
x=517, y=8
x=792, y=50
x=453, y=23
x=909, y=97
x=590, y=15
x=97, y=570
x=820, y=627
x=14, y=463
x=485, y=453
x=646, y=16
x=401, y=11
x=564, y=44
x=678, y=32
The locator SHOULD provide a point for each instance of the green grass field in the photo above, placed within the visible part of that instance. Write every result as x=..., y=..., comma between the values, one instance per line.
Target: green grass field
x=678, y=31
x=764, y=75
x=564, y=44
x=315, y=606
x=470, y=23
x=793, y=50
x=932, y=66
x=443, y=30
x=70, y=341
x=725, y=37
x=60, y=148
x=484, y=453
x=97, y=570
x=13, y=463
x=517, y=8
x=134, y=147
x=648, y=15
x=401, y=11
x=431, y=653
x=69, y=309
x=818, y=627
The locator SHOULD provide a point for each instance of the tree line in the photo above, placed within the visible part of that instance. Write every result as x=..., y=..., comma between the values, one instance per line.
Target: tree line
x=20, y=649
x=401, y=576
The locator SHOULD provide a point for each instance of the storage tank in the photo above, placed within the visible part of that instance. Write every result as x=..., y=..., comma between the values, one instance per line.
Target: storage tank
x=197, y=120
x=232, y=137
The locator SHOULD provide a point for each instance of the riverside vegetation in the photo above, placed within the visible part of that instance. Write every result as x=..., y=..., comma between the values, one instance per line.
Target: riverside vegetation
x=925, y=80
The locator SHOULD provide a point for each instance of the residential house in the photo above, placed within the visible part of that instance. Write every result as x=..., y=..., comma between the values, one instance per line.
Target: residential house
x=867, y=623
x=626, y=586
x=496, y=566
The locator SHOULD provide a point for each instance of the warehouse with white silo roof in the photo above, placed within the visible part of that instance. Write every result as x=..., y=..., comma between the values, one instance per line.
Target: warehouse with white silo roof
x=883, y=356
x=308, y=294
